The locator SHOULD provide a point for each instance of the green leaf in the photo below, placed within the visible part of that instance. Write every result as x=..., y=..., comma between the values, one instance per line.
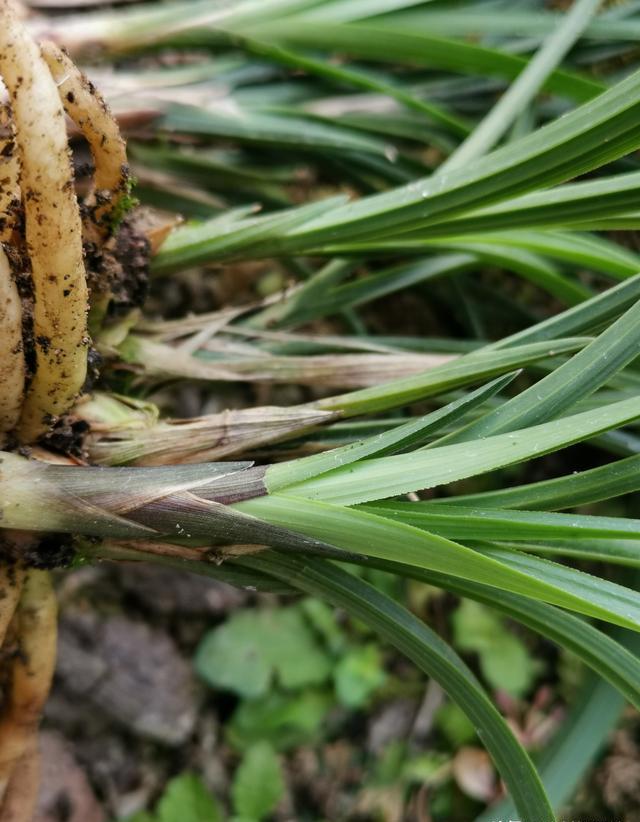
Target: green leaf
x=561, y=150
x=401, y=438
x=427, y=768
x=284, y=720
x=342, y=75
x=581, y=488
x=609, y=658
x=382, y=477
x=592, y=717
x=142, y=26
x=323, y=619
x=462, y=522
x=474, y=20
x=601, y=130
x=194, y=244
x=254, y=647
x=579, y=319
x=187, y=800
x=533, y=267
x=497, y=122
x=271, y=129
x=433, y=656
x=258, y=784
x=232, y=657
x=322, y=295
x=619, y=551
x=464, y=370
x=504, y=659
x=358, y=675
x=564, y=205
x=350, y=10
x=403, y=45
x=579, y=250
x=455, y=725
x=374, y=536
x=579, y=377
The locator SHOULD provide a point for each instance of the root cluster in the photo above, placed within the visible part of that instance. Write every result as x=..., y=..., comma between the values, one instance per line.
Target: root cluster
x=44, y=341
x=43, y=228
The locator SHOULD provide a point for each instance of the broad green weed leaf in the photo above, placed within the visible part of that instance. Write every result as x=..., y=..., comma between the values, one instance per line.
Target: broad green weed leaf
x=454, y=724
x=358, y=675
x=232, y=657
x=255, y=647
x=504, y=659
x=258, y=784
x=284, y=720
x=187, y=800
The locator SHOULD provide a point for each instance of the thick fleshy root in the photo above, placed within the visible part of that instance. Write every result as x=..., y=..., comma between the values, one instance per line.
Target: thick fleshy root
x=22, y=792
x=44, y=302
x=52, y=226
x=34, y=631
x=86, y=107
x=12, y=362
x=9, y=176
x=11, y=581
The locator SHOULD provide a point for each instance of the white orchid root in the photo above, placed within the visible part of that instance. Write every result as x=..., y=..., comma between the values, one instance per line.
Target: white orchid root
x=53, y=230
x=44, y=302
x=12, y=361
x=22, y=792
x=88, y=110
x=30, y=674
x=9, y=176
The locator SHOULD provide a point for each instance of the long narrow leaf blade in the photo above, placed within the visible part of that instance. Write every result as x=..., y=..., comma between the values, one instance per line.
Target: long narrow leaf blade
x=390, y=476
x=370, y=535
x=434, y=657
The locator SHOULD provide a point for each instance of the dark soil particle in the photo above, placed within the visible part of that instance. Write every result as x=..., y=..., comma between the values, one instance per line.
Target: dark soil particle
x=52, y=551
x=132, y=250
x=19, y=547
x=10, y=550
x=21, y=270
x=94, y=364
x=44, y=343
x=67, y=437
x=121, y=266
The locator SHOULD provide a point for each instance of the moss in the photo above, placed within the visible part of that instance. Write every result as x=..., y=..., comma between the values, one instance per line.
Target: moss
x=125, y=203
